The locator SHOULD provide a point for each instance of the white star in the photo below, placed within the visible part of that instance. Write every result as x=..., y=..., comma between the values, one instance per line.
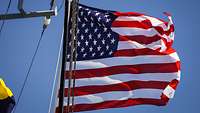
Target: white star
x=97, y=14
x=68, y=56
x=84, y=55
x=99, y=19
x=103, y=41
x=107, y=47
x=86, y=30
x=89, y=12
x=106, y=16
x=82, y=37
x=86, y=43
x=108, y=35
x=81, y=13
x=79, y=19
x=87, y=9
x=93, y=54
x=92, y=24
x=78, y=43
x=95, y=42
x=83, y=25
x=99, y=24
x=82, y=49
x=91, y=18
x=78, y=31
x=99, y=48
x=110, y=53
x=91, y=48
x=101, y=53
x=112, y=41
x=107, y=20
x=99, y=35
x=95, y=30
x=105, y=29
x=90, y=36
x=86, y=19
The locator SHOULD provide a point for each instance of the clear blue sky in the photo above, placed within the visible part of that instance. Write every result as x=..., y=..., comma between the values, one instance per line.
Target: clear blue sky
x=19, y=38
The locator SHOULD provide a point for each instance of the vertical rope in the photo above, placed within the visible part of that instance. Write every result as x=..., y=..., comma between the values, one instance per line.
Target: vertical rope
x=72, y=54
x=75, y=56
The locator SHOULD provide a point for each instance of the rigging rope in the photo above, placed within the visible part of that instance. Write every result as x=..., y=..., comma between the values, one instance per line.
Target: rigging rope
x=29, y=69
x=2, y=25
x=71, y=54
x=75, y=54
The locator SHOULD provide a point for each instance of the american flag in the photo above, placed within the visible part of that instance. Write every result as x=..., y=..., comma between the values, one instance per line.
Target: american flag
x=123, y=59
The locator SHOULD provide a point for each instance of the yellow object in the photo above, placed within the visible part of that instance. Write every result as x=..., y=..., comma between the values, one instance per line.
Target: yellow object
x=5, y=92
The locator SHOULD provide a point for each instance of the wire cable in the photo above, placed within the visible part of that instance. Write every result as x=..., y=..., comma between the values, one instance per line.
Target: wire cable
x=2, y=25
x=57, y=73
x=29, y=69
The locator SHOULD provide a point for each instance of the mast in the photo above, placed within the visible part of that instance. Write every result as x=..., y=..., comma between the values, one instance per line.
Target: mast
x=64, y=53
x=71, y=9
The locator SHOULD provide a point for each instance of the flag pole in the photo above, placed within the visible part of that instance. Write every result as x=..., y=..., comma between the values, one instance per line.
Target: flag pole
x=65, y=40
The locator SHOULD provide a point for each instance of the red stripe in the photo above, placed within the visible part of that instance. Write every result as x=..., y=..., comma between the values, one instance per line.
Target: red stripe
x=174, y=84
x=140, y=39
x=164, y=98
x=127, y=14
x=116, y=104
x=125, y=86
x=145, y=51
x=168, y=44
x=134, y=69
x=162, y=31
x=146, y=24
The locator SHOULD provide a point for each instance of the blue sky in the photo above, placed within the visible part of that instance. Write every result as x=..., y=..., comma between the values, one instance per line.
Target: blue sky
x=19, y=38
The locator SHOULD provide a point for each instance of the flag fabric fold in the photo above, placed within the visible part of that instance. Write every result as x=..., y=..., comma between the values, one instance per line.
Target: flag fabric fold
x=7, y=100
x=123, y=59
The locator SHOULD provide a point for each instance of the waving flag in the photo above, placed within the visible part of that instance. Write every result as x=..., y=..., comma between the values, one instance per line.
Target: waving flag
x=7, y=100
x=123, y=59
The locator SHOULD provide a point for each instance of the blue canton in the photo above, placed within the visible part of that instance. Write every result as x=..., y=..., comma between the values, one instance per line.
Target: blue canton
x=95, y=38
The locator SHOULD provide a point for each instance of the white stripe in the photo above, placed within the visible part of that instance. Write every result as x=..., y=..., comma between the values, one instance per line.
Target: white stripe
x=116, y=61
x=128, y=31
x=169, y=92
x=120, y=78
x=131, y=18
x=135, y=45
x=117, y=95
x=154, y=21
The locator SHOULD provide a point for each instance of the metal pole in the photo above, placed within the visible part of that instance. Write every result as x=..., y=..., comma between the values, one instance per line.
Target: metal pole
x=20, y=6
x=29, y=14
x=65, y=40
